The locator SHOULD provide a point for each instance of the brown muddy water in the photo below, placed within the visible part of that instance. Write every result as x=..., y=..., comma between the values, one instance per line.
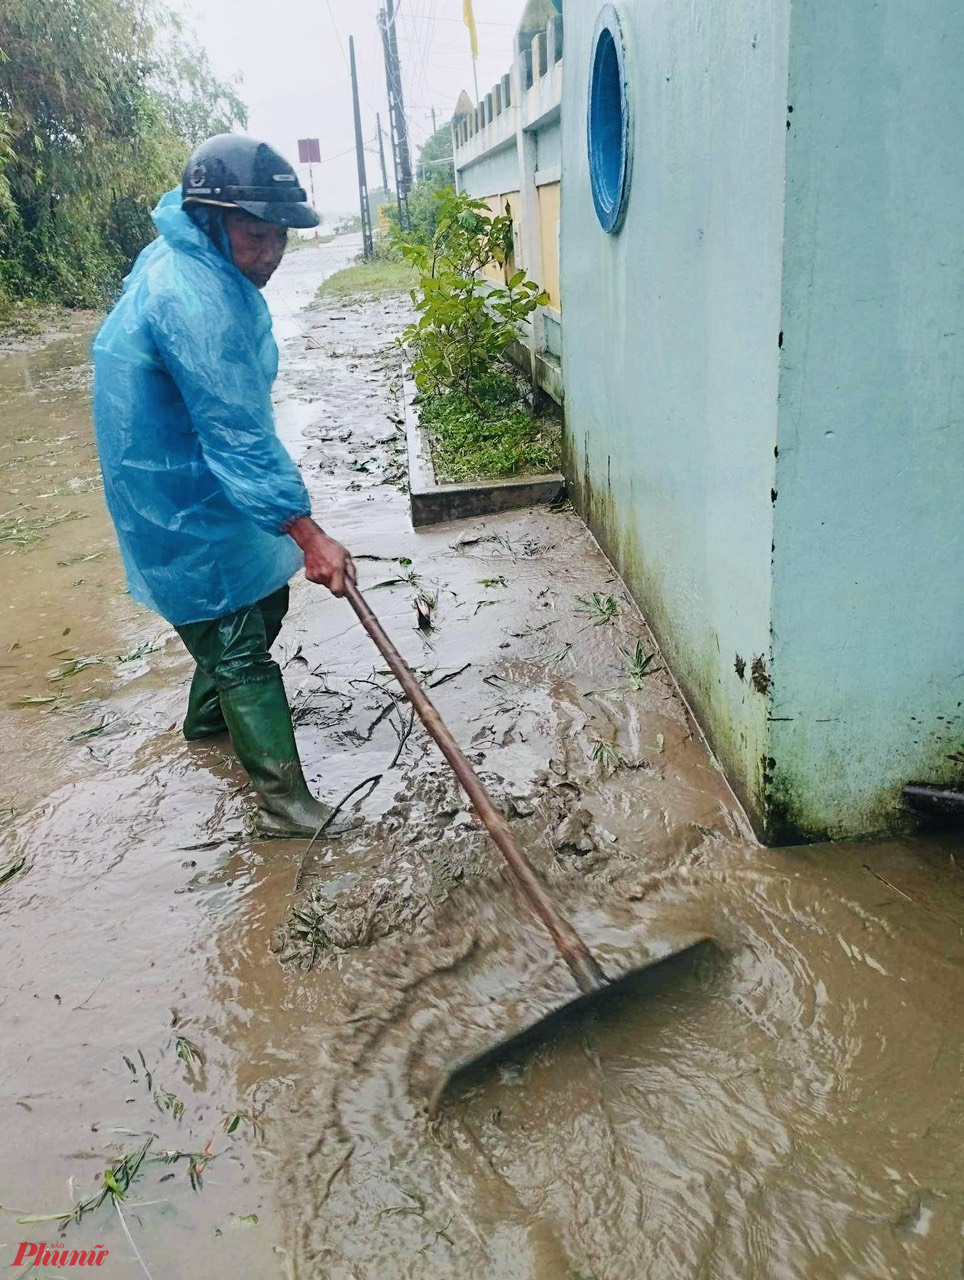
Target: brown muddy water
x=793, y=1109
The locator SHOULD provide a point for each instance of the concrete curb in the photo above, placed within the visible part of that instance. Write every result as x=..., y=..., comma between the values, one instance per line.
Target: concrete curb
x=434, y=503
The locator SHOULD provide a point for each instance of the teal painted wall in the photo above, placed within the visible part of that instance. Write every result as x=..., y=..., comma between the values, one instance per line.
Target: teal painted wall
x=764, y=386
x=549, y=147
x=670, y=343
x=868, y=587
x=494, y=173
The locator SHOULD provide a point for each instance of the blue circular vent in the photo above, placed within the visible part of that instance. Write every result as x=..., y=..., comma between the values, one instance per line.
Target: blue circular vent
x=609, y=123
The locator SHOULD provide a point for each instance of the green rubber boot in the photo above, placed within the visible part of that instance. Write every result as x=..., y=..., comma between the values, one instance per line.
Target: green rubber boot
x=259, y=719
x=204, y=716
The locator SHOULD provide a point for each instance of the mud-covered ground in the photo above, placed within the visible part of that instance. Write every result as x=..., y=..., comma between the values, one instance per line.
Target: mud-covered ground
x=29, y=327
x=274, y=1019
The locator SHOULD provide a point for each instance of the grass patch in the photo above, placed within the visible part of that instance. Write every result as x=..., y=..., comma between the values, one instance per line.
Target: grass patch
x=640, y=664
x=491, y=436
x=376, y=279
x=602, y=610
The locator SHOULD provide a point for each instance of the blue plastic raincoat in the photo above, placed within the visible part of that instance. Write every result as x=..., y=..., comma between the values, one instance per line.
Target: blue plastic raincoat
x=197, y=483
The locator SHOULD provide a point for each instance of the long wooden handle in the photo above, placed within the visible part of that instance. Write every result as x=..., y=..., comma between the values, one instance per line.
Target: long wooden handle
x=587, y=973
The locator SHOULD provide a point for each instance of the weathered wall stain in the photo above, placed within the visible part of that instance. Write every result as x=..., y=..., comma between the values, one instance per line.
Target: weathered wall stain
x=759, y=676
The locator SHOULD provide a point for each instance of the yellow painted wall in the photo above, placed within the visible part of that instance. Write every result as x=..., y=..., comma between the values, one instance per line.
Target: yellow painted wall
x=497, y=204
x=549, y=206
x=545, y=272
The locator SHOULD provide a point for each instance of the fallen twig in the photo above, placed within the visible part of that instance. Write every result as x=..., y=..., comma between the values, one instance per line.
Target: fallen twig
x=404, y=734
x=451, y=676
x=336, y=1171
x=531, y=631
x=890, y=886
x=376, y=777
x=386, y=711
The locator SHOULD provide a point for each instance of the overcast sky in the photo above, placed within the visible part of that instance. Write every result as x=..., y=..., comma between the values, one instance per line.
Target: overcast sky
x=292, y=56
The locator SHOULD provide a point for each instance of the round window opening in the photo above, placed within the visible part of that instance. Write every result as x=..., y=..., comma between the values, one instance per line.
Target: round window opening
x=609, y=143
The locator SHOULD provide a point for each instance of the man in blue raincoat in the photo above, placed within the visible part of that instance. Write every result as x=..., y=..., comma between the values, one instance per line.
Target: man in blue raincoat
x=212, y=516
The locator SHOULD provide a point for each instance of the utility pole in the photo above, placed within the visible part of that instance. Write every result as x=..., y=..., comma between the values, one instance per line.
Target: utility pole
x=398, y=127
x=381, y=151
x=366, y=213
x=433, y=122
x=401, y=124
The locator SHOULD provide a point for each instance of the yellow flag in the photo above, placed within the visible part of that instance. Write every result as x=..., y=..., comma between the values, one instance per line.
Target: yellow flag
x=468, y=17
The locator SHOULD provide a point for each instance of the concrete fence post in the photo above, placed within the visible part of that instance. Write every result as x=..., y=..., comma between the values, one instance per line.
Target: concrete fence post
x=525, y=64
x=539, y=67
x=554, y=41
x=531, y=223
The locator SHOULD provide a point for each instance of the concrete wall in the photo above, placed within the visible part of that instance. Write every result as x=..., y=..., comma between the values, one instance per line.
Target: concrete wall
x=670, y=357
x=492, y=173
x=868, y=595
x=764, y=386
x=549, y=147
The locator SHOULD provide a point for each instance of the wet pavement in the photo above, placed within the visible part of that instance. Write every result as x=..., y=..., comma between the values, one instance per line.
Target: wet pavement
x=790, y=1108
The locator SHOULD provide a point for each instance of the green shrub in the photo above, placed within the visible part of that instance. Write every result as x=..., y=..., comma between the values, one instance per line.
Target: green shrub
x=465, y=322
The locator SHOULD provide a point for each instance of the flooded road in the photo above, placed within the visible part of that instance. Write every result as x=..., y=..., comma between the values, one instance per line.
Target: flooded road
x=789, y=1111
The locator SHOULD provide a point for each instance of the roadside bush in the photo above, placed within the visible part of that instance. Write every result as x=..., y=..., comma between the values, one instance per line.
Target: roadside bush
x=466, y=322
x=100, y=104
x=475, y=408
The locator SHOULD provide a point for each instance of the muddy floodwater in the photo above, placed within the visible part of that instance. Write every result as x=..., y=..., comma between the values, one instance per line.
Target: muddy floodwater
x=266, y=1022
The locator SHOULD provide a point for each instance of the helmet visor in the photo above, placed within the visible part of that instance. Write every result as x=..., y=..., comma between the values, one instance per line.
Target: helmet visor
x=280, y=213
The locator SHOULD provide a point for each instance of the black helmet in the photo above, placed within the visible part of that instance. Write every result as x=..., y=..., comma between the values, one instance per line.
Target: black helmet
x=235, y=172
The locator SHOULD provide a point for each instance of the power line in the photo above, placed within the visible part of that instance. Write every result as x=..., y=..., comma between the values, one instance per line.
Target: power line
x=411, y=32
x=334, y=27
x=425, y=49
x=341, y=46
x=480, y=22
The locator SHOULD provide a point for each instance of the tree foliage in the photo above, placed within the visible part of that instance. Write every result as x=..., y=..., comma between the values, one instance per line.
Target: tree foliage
x=435, y=173
x=100, y=103
x=466, y=321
